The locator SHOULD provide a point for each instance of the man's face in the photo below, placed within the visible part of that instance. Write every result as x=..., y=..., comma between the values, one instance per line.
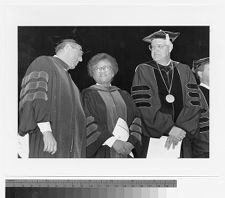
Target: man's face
x=159, y=50
x=205, y=73
x=75, y=54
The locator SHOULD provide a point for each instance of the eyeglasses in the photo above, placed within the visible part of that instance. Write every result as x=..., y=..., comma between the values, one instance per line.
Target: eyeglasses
x=103, y=68
x=159, y=46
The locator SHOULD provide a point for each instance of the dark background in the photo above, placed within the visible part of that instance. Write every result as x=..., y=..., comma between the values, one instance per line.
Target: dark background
x=122, y=42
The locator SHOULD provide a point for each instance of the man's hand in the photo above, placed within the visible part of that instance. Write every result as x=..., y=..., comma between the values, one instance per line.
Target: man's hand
x=177, y=133
x=50, y=144
x=128, y=148
x=171, y=141
x=119, y=146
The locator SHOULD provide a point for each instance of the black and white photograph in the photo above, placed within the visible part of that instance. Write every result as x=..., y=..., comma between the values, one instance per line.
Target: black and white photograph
x=113, y=92
x=89, y=86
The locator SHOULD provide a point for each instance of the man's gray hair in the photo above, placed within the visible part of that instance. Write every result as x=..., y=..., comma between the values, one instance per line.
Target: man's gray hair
x=63, y=43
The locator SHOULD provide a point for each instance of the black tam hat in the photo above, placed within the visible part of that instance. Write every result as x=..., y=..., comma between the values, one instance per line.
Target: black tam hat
x=163, y=35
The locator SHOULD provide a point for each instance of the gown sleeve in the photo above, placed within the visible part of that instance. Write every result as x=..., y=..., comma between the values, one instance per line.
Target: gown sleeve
x=188, y=118
x=35, y=96
x=96, y=130
x=135, y=128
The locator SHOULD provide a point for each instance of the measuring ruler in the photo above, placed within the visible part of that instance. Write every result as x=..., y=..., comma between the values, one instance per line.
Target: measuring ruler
x=90, y=183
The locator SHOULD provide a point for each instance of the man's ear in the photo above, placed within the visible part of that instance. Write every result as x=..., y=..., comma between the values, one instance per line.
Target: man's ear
x=199, y=74
x=170, y=46
x=67, y=47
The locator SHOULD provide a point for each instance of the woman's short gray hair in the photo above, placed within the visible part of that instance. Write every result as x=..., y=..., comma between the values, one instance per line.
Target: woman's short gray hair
x=97, y=58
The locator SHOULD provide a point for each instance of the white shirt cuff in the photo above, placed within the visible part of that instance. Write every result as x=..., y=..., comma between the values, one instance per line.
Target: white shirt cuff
x=23, y=146
x=110, y=141
x=44, y=126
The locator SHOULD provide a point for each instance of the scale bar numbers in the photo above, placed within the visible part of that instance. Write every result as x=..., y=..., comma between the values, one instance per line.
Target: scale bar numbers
x=90, y=183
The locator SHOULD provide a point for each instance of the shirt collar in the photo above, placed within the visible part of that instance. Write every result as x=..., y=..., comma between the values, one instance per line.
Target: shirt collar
x=102, y=85
x=167, y=67
x=204, y=85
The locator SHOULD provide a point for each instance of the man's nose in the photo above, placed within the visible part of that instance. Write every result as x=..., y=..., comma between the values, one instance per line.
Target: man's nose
x=80, y=59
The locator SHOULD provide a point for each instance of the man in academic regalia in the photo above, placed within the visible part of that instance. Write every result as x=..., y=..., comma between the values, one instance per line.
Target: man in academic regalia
x=50, y=107
x=200, y=143
x=166, y=93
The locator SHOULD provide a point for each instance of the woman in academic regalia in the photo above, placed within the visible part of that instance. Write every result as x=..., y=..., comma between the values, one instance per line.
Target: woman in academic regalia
x=113, y=123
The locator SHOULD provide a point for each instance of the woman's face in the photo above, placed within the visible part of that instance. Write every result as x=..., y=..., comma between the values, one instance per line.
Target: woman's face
x=103, y=72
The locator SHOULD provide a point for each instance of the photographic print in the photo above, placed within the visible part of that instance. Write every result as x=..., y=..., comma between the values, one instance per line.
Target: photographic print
x=113, y=91
x=87, y=88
